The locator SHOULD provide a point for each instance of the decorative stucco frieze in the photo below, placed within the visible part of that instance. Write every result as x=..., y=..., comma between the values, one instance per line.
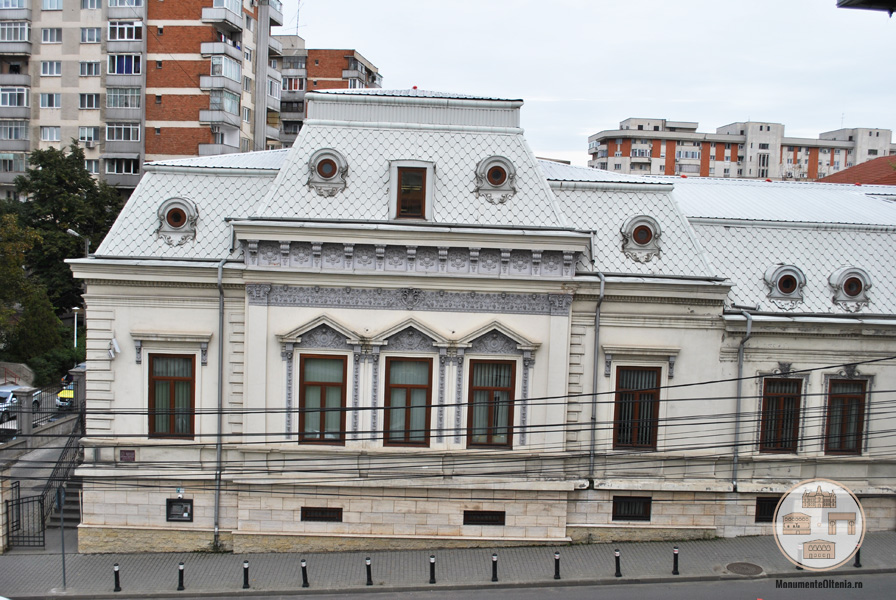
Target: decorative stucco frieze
x=374, y=395
x=286, y=353
x=458, y=394
x=408, y=299
x=489, y=262
x=410, y=340
x=356, y=391
x=494, y=342
x=323, y=336
x=528, y=363
x=440, y=411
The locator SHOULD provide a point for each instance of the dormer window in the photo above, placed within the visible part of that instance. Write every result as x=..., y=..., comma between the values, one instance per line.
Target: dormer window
x=411, y=193
x=411, y=189
x=327, y=171
x=850, y=286
x=641, y=238
x=495, y=179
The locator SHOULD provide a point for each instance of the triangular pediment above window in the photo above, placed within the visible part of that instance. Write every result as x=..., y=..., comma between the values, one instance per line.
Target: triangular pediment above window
x=496, y=338
x=411, y=335
x=322, y=332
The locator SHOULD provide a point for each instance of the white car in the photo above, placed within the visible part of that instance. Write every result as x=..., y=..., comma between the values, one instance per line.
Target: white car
x=9, y=402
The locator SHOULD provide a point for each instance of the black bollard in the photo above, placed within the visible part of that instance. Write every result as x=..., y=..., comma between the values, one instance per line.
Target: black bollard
x=304, y=573
x=494, y=567
x=117, y=581
x=180, y=577
x=245, y=574
x=618, y=568
x=556, y=565
x=369, y=575
x=858, y=562
x=432, y=568
x=675, y=560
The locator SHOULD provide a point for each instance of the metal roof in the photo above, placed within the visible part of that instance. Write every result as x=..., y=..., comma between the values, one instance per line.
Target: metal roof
x=411, y=93
x=266, y=160
x=784, y=201
x=555, y=171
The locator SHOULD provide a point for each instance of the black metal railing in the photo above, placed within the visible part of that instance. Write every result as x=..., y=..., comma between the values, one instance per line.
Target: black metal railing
x=67, y=462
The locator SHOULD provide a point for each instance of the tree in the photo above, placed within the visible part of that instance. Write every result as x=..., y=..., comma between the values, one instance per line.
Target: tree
x=15, y=242
x=61, y=195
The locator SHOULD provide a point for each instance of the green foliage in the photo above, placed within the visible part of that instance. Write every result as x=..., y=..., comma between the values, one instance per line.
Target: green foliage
x=50, y=366
x=36, y=331
x=15, y=242
x=61, y=195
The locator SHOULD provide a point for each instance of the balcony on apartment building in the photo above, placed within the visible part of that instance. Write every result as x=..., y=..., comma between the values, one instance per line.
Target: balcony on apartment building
x=275, y=11
x=271, y=132
x=289, y=133
x=217, y=149
x=18, y=145
x=275, y=47
x=227, y=48
x=218, y=118
x=219, y=82
x=224, y=14
x=15, y=80
x=16, y=10
x=16, y=47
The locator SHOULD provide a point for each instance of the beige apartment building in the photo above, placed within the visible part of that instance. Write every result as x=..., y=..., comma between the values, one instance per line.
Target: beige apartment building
x=749, y=149
x=136, y=80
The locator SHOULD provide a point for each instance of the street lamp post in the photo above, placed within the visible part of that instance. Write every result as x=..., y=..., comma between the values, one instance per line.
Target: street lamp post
x=74, y=233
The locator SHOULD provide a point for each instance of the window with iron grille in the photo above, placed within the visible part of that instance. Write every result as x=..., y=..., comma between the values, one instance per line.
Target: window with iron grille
x=846, y=416
x=780, y=423
x=637, y=407
x=765, y=508
x=484, y=517
x=631, y=508
x=322, y=514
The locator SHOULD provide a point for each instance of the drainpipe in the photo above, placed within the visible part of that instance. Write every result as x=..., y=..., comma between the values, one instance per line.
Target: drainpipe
x=218, y=442
x=594, y=371
x=740, y=374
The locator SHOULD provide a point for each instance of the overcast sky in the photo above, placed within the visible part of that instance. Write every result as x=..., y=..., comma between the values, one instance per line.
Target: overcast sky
x=582, y=66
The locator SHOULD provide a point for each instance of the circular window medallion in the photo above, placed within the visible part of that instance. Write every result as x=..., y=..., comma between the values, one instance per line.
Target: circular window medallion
x=787, y=284
x=852, y=287
x=497, y=175
x=326, y=168
x=176, y=217
x=642, y=235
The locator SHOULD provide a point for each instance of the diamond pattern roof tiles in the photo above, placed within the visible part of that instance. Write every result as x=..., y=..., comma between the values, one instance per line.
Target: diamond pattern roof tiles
x=217, y=195
x=606, y=211
x=269, y=159
x=744, y=253
x=455, y=155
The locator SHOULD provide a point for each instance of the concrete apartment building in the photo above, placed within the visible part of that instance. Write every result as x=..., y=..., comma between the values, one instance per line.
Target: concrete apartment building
x=750, y=149
x=311, y=70
x=136, y=80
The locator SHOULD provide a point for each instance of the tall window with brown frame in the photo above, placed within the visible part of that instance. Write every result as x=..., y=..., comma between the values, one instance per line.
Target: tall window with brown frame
x=846, y=416
x=408, y=401
x=172, y=395
x=779, y=425
x=322, y=399
x=637, y=407
x=490, y=413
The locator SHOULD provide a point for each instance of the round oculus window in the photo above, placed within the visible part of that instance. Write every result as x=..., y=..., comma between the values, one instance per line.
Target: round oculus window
x=853, y=286
x=176, y=217
x=496, y=175
x=326, y=168
x=787, y=284
x=642, y=235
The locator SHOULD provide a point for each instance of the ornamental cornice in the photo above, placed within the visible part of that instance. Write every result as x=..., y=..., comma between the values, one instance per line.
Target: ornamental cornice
x=323, y=256
x=163, y=284
x=649, y=299
x=263, y=294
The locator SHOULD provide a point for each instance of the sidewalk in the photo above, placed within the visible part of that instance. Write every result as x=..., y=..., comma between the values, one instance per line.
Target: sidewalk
x=33, y=575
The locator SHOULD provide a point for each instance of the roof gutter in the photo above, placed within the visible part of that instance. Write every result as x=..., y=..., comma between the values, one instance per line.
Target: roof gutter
x=218, y=434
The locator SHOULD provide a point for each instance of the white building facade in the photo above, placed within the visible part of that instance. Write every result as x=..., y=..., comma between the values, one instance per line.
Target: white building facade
x=406, y=331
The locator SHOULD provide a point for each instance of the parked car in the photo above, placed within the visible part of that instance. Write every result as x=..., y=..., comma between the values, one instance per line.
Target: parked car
x=9, y=401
